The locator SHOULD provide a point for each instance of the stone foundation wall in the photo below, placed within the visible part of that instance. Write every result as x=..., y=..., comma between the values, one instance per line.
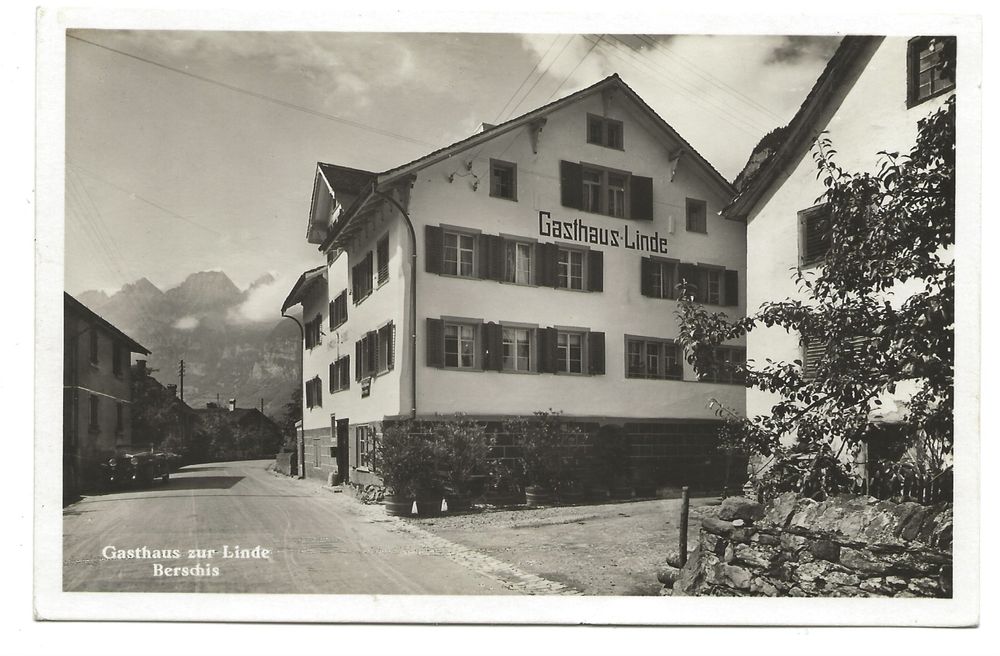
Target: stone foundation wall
x=847, y=546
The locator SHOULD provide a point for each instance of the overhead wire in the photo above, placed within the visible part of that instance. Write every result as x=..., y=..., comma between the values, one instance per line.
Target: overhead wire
x=526, y=78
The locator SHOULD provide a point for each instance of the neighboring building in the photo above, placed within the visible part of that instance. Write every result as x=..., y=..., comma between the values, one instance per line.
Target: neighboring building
x=869, y=98
x=171, y=422
x=97, y=393
x=530, y=266
x=257, y=436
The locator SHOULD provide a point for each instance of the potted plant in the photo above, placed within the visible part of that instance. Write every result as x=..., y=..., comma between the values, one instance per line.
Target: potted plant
x=504, y=487
x=405, y=458
x=538, y=442
x=462, y=449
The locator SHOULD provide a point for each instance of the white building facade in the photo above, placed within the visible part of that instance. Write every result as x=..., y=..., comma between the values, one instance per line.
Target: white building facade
x=530, y=267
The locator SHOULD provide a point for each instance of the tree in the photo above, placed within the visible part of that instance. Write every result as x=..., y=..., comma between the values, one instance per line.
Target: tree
x=152, y=408
x=881, y=311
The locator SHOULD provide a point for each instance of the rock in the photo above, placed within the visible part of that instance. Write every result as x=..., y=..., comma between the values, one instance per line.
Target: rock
x=666, y=592
x=895, y=582
x=717, y=526
x=763, y=587
x=825, y=550
x=791, y=542
x=674, y=558
x=780, y=510
x=770, y=540
x=796, y=592
x=945, y=581
x=837, y=577
x=741, y=508
x=924, y=587
x=729, y=576
x=756, y=557
x=876, y=585
x=668, y=575
x=811, y=571
x=855, y=559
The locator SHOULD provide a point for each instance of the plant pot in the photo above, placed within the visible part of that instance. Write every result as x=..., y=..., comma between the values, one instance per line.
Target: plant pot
x=398, y=506
x=429, y=506
x=537, y=495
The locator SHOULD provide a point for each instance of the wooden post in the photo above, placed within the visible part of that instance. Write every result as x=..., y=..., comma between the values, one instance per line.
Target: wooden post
x=684, y=526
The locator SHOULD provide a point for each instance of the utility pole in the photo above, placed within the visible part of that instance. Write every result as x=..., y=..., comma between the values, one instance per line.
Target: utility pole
x=180, y=372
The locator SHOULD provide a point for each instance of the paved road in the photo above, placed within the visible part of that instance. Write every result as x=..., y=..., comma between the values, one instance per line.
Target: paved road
x=319, y=542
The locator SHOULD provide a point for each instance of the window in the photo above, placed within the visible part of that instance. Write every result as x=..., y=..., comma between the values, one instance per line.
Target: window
x=460, y=345
x=517, y=343
x=119, y=418
x=386, y=339
x=597, y=189
x=517, y=262
x=814, y=234
x=340, y=374
x=569, y=349
x=570, y=269
x=314, y=332
x=459, y=254
x=503, y=179
x=93, y=344
x=361, y=278
x=659, y=279
x=604, y=191
x=697, y=211
x=814, y=351
x=314, y=393
x=708, y=284
x=616, y=194
x=366, y=356
x=383, y=259
x=930, y=68
x=592, y=190
x=604, y=132
x=652, y=358
x=713, y=286
x=117, y=359
x=727, y=365
x=95, y=423
x=365, y=447
x=338, y=310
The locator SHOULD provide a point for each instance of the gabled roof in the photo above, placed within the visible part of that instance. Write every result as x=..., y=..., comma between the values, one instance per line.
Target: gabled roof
x=70, y=304
x=798, y=136
x=302, y=285
x=394, y=175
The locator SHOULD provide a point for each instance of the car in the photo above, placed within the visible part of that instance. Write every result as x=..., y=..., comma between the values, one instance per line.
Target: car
x=141, y=469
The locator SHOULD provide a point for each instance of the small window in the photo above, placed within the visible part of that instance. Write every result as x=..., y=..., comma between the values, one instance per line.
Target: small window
x=518, y=344
x=569, y=352
x=570, y=269
x=605, y=192
x=386, y=339
x=697, y=211
x=95, y=422
x=366, y=447
x=340, y=374
x=814, y=234
x=383, y=259
x=930, y=67
x=605, y=132
x=93, y=345
x=652, y=358
x=314, y=393
x=459, y=254
x=503, y=179
x=460, y=345
x=314, y=332
x=361, y=278
x=518, y=262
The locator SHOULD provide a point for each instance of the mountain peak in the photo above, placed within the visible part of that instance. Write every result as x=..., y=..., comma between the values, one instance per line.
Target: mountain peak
x=205, y=290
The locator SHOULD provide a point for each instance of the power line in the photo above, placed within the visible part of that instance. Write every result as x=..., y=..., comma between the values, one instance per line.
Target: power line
x=526, y=78
x=261, y=96
x=542, y=75
x=585, y=55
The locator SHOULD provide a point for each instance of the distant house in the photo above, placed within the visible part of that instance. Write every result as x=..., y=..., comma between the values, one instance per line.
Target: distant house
x=161, y=418
x=261, y=436
x=97, y=393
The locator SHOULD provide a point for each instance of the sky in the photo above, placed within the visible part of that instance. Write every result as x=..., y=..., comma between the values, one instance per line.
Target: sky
x=191, y=150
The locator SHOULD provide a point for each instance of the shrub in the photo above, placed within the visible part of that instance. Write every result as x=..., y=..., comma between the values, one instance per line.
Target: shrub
x=406, y=459
x=462, y=453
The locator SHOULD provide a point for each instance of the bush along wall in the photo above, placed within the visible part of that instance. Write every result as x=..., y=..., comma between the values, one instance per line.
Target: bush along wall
x=848, y=546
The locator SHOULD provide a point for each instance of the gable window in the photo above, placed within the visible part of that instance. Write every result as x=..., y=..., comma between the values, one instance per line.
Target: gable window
x=616, y=194
x=570, y=269
x=93, y=345
x=517, y=347
x=518, y=262
x=604, y=191
x=814, y=234
x=569, y=350
x=696, y=211
x=460, y=345
x=927, y=75
x=361, y=278
x=116, y=359
x=340, y=374
x=383, y=259
x=314, y=393
x=727, y=367
x=605, y=132
x=95, y=421
x=503, y=179
x=338, y=310
x=459, y=254
x=652, y=358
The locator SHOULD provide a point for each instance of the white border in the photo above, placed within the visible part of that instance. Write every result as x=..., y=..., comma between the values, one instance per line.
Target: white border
x=51, y=603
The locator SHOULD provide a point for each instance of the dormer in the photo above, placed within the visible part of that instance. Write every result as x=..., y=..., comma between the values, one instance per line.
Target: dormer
x=334, y=191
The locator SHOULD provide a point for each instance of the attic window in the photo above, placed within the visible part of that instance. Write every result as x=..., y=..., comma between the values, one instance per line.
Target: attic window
x=605, y=132
x=930, y=68
x=503, y=179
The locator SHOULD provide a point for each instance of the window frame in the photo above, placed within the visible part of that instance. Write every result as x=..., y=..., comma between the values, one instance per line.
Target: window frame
x=914, y=48
x=570, y=252
x=340, y=374
x=659, y=288
x=690, y=203
x=495, y=188
x=604, y=190
x=314, y=393
x=516, y=243
x=365, y=438
x=663, y=372
x=384, y=356
x=358, y=275
x=476, y=342
x=531, y=332
x=606, y=123
x=338, y=310
x=716, y=376
x=458, y=235
x=560, y=369
x=820, y=210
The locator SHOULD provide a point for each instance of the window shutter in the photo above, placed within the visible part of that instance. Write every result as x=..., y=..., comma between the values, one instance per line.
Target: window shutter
x=383, y=260
x=571, y=184
x=492, y=346
x=548, y=350
x=435, y=342
x=433, y=246
x=595, y=271
x=732, y=287
x=372, y=363
x=647, y=277
x=689, y=273
x=641, y=197
x=333, y=376
x=391, y=353
x=333, y=314
x=496, y=257
x=595, y=353
x=813, y=352
x=345, y=375
x=548, y=265
x=483, y=251
x=358, y=361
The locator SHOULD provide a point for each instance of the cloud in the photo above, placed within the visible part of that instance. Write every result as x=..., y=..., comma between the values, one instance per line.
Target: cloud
x=187, y=323
x=263, y=301
x=794, y=49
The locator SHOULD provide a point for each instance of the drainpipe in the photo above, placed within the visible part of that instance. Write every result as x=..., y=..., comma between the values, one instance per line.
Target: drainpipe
x=413, y=300
x=301, y=441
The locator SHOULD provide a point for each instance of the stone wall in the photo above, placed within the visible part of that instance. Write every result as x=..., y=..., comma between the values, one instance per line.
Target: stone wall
x=847, y=546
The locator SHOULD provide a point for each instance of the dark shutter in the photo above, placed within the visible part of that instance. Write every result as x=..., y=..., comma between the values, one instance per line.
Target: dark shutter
x=548, y=350
x=813, y=352
x=390, y=357
x=732, y=287
x=571, y=184
x=333, y=376
x=548, y=265
x=496, y=259
x=688, y=273
x=433, y=239
x=333, y=314
x=383, y=260
x=345, y=375
x=641, y=197
x=358, y=361
x=595, y=271
x=492, y=346
x=647, y=277
x=435, y=342
x=372, y=338
x=595, y=353
x=483, y=248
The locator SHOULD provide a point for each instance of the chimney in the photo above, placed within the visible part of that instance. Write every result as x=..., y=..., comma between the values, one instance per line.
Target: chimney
x=172, y=389
x=232, y=404
x=483, y=127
